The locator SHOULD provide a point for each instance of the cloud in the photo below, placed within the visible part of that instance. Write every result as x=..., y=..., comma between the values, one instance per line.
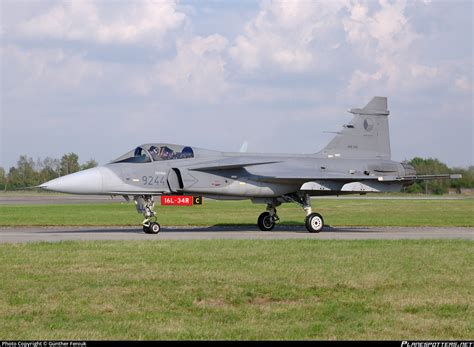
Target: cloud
x=386, y=43
x=88, y=21
x=289, y=67
x=37, y=71
x=284, y=34
x=463, y=83
x=198, y=69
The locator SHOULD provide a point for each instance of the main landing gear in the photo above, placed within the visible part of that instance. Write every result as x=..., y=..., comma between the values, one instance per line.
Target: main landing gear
x=314, y=222
x=145, y=205
x=267, y=220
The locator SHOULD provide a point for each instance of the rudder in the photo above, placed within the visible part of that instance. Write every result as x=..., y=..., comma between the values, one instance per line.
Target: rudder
x=366, y=136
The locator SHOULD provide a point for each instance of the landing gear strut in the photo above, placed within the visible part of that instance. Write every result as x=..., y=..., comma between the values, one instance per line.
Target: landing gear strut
x=314, y=221
x=267, y=220
x=145, y=205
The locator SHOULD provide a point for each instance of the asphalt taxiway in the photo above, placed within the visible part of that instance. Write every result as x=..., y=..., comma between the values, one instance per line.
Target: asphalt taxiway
x=52, y=234
x=46, y=199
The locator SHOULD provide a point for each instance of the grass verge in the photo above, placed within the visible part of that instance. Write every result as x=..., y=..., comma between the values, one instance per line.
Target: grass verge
x=354, y=212
x=237, y=289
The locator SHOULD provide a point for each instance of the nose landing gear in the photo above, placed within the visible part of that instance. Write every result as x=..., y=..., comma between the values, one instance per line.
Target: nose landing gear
x=145, y=205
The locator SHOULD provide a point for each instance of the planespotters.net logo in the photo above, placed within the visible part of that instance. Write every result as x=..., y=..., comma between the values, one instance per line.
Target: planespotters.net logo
x=438, y=344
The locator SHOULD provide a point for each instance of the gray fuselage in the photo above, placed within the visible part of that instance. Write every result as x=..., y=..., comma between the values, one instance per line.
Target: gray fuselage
x=228, y=175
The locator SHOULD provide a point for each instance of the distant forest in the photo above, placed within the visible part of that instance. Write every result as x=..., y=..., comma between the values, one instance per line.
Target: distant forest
x=434, y=166
x=29, y=173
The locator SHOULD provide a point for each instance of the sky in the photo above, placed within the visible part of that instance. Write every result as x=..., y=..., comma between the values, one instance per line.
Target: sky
x=99, y=78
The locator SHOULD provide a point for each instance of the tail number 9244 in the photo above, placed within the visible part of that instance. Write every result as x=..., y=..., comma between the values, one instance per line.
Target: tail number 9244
x=153, y=180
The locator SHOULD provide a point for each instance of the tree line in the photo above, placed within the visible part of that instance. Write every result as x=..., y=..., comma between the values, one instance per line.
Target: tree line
x=434, y=166
x=30, y=173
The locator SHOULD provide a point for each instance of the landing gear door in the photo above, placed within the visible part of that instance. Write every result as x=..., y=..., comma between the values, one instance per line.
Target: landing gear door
x=175, y=181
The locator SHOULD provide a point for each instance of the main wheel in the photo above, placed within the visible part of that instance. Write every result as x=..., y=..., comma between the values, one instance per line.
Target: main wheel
x=314, y=223
x=266, y=221
x=154, y=228
x=146, y=229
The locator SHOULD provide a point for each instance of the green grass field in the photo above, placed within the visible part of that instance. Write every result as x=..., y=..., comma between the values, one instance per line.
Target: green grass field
x=234, y=289
x=230, y=289
x=353, y=212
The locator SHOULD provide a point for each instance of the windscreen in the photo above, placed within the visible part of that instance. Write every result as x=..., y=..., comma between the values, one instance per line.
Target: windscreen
x=156, y=152
x=138, y=155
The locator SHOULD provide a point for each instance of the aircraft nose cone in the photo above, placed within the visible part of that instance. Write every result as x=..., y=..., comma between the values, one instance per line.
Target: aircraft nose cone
x=83, y=182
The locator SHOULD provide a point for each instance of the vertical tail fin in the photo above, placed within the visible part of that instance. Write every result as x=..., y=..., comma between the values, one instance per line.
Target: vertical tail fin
x=366, y=136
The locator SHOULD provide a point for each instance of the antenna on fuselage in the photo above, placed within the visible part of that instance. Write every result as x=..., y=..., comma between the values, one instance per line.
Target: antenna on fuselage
x=244, y=147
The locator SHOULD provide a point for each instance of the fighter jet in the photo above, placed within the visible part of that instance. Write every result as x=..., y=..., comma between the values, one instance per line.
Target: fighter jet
x=356, y=161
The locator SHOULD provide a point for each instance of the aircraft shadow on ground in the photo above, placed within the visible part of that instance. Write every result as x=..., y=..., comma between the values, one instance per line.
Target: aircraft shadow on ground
x=213, y=228
x=92, y=231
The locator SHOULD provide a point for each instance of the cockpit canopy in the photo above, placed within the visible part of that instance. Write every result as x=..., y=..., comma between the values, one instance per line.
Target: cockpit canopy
x=156, y=152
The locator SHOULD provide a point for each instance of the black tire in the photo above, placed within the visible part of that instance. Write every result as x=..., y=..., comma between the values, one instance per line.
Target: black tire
x=146, y=229
x=314, y=223
x=154, y=228
x=266, y=222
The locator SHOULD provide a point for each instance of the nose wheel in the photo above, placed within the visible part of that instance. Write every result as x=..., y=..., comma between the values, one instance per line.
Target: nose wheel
x=145, y=205
x=152, y=228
